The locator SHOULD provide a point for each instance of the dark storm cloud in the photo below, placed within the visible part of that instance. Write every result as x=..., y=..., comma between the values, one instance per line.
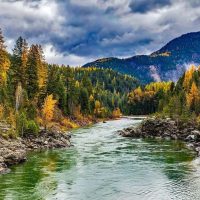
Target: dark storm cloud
x=143, y=6
x=77, y=31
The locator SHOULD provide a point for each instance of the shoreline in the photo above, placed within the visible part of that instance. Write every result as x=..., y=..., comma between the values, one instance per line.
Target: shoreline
x=167, y=129
x=14, y=151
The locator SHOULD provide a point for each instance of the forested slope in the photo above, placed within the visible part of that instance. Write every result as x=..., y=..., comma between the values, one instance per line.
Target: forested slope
x=36, y=94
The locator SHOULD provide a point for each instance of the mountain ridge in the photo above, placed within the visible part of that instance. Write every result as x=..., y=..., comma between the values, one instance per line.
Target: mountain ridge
x=167, y=63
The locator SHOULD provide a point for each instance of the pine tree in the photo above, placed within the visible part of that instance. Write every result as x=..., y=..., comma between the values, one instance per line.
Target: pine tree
x=32, y=72
x=19, y=62
x=84, y=100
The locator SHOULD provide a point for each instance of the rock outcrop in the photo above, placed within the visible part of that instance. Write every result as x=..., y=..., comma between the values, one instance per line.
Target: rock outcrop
x=166, y=129
x=14, y=151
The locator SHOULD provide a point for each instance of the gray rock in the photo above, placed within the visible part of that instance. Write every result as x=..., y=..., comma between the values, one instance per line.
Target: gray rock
x=13, y=151
x=196, y=132
x=190, y=138
x=190, y=146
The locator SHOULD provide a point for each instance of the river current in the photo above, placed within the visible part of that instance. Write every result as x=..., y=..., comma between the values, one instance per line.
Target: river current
x=104, y=166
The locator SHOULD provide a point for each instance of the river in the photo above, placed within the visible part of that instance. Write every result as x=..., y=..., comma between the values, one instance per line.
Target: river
x=104, y=166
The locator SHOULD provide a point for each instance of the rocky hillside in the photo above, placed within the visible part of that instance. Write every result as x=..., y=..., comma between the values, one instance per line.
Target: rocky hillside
x=168, y=63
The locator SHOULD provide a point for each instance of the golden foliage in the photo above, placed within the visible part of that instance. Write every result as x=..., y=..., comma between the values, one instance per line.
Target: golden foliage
x=193, y=97
x=77, y=84
x=1, y=111
x=67, y=123
x=48, y=109
x=136, y=94
x=4, y=66
x=165, y=54
x=165, y=86
x=188, y=77
x=116, y=113
x=91, y=98
x=77, y=112
x=42, y=75
x=99, y=110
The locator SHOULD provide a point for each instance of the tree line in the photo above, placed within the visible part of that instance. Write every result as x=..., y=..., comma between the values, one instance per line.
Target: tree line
x=179, y=100
x=34, y=93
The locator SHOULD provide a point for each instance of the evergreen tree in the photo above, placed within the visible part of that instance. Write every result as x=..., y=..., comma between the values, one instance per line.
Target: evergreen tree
x=19, y=62
x=32, y=72
x=84, y=101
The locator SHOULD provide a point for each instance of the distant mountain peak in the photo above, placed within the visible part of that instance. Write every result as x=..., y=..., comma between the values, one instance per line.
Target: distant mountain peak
x=170, y=61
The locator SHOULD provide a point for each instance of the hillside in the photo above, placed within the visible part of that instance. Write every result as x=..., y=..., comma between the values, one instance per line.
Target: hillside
x=168, y=63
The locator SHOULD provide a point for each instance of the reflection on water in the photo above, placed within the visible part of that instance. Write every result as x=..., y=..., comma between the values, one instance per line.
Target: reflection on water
x=103, y=165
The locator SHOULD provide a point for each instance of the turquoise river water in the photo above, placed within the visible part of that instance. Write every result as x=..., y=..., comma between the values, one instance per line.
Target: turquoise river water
x=104, y=166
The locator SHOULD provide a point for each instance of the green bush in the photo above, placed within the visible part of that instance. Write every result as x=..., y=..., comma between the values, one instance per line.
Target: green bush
x=21, y=123
x=25, y=126
x=32, y=128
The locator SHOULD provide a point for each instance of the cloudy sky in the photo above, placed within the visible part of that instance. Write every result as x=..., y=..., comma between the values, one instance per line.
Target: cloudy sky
x=75, y=32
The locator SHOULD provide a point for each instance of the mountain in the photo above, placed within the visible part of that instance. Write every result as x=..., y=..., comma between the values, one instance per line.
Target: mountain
x=168, y=63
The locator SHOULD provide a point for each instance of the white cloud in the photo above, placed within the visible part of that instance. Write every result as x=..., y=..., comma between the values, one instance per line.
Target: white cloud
x=53, y=57
x=82, y=30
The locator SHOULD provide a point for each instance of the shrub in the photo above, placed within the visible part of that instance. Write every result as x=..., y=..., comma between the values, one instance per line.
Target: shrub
x=32, y=128
x=116, y=113
x=21, y=124
x=25, y=126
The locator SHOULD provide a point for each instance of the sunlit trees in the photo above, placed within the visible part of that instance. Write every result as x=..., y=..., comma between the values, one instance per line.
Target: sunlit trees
x=26, y=81
x=188, y=76
x=193, y=98
x=147, y=100
x=179, y=100
x=48, y=109
x=41, y=69
x=116, y=113
x=4, y=61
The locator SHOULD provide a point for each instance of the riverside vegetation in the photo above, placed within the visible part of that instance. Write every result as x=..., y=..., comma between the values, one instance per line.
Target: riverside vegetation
x=40, y=101
x=176, y=109
x=178, y=101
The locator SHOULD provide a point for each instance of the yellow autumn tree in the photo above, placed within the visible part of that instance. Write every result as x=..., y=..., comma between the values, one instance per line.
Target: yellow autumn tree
x=193, y=97
x=97, y=107
x=48, y=109
x=188, y=77
x=4, y=61
x=116, y=113
x=42, y=76
x=42, y=68
x=2, y=109
x=136, y=94
x=156, y=86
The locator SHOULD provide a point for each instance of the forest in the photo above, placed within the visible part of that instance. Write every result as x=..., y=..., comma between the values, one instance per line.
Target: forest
x=35, y=94
x=179, y=100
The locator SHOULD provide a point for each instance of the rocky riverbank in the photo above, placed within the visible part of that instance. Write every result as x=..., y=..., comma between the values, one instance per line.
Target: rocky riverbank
x=166, y=129
x=14, y=151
